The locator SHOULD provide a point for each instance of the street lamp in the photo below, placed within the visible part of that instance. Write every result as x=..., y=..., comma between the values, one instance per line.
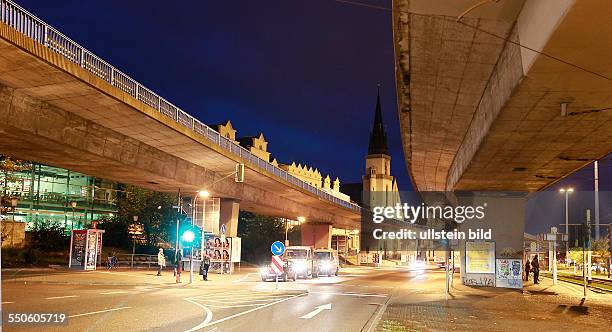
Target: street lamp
x=73, y=205
x=14, y=202
x=566, y=191
x=135, y=219
x=203, y=194
x=300, y=220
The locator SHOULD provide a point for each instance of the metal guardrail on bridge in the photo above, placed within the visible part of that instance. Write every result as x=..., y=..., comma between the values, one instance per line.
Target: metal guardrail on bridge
x=33, y=27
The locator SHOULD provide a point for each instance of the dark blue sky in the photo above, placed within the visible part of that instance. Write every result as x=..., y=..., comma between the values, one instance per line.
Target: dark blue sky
x=302, y=72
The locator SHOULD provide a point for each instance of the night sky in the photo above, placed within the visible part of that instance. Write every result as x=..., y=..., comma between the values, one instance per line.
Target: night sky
x=302, y=72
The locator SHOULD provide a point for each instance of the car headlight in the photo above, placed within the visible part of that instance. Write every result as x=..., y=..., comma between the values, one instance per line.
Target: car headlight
x=299, y=266
x=326, y=265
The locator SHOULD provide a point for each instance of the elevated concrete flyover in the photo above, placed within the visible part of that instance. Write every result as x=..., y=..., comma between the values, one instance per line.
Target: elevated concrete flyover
x=61, y=105
x=513, y=96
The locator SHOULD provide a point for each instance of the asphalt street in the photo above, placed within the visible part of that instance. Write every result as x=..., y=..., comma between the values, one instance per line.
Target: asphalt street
x=348, y=302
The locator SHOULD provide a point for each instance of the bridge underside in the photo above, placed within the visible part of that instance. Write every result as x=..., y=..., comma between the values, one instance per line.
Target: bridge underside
x=480, y=112
x=53, y=111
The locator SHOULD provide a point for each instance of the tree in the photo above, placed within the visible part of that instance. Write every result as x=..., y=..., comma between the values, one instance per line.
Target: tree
x=154, y=211
x=258, y=233
x=576, y=255
x=8, y=168
x=600, y=250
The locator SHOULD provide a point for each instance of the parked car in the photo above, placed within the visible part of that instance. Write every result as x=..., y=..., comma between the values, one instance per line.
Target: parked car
x=327, y=262
x=267, y=274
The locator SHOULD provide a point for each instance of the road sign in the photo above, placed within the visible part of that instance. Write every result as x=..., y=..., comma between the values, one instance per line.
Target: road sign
x=277, y=264
x=277, y=248
x=223, y=229
x=135, y=229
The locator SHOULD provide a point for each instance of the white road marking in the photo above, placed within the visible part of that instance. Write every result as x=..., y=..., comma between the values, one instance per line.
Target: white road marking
x=247, y=311
x=98, y=312
x=206, y=320
x=234, y=306
x=351, y=294
x=317, y=311
x=60, y=297
x=259, y=300
x=244, y=278
x=7, y=302
x=243, y=298
x=109, y=293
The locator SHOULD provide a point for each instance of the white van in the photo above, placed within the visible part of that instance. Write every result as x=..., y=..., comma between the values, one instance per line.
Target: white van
x=301, y=261
x=327, y=262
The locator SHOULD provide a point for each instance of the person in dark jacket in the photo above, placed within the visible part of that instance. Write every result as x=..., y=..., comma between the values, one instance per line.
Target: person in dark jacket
x=527, y=269
x=204, y=267
x=178, y=262
x=535, y=267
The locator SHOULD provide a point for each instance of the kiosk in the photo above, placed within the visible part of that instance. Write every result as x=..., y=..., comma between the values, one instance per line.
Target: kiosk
x=85, y=248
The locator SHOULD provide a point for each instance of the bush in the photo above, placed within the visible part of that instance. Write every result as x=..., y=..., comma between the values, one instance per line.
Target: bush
x=48, y=236
x=31, y=256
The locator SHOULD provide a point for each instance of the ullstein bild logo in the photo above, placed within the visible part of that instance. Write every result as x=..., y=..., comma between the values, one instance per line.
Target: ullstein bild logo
x=412, y=213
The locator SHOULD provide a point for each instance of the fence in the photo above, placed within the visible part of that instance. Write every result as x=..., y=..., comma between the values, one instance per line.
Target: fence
x=33, y=27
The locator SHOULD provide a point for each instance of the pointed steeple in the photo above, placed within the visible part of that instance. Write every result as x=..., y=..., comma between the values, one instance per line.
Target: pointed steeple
x=378, y=136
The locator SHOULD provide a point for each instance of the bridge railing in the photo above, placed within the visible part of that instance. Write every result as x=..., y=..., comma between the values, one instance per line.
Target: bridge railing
x=21, y=20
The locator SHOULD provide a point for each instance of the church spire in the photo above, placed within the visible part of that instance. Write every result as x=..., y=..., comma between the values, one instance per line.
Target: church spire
x=378, y=136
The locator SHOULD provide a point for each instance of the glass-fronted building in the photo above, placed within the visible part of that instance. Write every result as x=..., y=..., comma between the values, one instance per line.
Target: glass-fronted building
x=51, y=194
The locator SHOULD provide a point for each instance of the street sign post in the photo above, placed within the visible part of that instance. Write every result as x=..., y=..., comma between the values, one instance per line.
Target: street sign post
x=277, y=248
x=223, y=229
x=277, y=267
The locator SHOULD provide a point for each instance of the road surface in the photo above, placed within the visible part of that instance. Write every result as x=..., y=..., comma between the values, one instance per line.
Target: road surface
x=348, y=302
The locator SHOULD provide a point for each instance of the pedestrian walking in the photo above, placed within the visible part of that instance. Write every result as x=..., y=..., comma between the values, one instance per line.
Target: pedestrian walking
x=527, y=269
x=161, y=261
x=178, y=262
x=204, y=267
x=535, y=267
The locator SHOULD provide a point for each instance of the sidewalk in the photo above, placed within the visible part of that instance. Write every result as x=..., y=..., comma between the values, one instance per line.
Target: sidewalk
x=541, y=307
x=117, y=276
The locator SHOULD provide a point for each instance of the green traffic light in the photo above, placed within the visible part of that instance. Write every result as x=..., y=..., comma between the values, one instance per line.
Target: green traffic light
x=188, y=236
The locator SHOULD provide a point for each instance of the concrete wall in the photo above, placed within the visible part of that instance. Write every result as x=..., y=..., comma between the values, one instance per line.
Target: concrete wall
x=13, y=234
x=316, y=235
x=37, y=131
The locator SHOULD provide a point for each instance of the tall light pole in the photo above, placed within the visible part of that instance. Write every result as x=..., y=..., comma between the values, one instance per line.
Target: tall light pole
x=567, y=191
x=135, y=219
x=300, y=220
x=73, y=205
x=14, y=202
x=202, y=194
x=596, y=166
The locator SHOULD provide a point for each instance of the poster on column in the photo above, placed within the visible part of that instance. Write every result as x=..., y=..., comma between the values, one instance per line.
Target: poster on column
x=479, y=257
x=78, y=247
x=219, y=250
x=92, y=250
x=509, y=273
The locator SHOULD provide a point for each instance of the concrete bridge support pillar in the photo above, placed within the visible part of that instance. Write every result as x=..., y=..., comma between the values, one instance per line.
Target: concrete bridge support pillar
x=318, y=235
x=504, y=218
x=228, y=216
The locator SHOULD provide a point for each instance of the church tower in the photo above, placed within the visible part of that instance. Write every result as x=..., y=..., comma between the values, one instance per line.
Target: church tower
x=379, y=187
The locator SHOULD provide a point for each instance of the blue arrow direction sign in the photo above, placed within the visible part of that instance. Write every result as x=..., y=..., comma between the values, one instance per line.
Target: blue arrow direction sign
x=277, y=248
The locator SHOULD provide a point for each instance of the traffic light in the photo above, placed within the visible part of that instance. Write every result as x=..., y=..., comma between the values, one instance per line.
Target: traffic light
x=191, y=235
x=188, y=236
x=239, y=173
